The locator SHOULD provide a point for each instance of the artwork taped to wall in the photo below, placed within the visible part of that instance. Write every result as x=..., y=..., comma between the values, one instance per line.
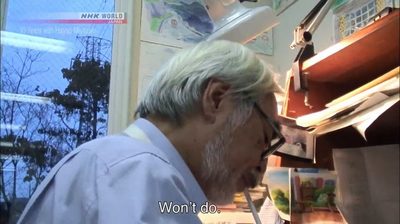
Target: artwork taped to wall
x=304, y=195
x=175, y=23
x=278, y=181
x=355, y=15
x=281, y=5
x=152, y=58
x=263, y=43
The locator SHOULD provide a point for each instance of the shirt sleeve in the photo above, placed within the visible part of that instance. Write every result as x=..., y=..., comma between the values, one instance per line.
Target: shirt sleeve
x=141, y=189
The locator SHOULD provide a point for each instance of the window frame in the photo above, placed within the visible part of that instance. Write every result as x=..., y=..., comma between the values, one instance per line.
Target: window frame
x=124, y=67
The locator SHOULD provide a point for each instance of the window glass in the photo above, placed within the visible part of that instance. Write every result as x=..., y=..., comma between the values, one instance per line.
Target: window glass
x=55, y=74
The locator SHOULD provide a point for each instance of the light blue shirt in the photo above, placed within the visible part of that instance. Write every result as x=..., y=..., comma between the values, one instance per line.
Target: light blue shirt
x=118, y=179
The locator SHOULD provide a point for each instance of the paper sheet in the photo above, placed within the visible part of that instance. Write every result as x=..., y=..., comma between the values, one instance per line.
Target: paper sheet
x=278, y=181
x=368, y=181
x=357, y=117
x=362, y=126
x=299, y=143
x=268, y=213
x=152, y=58
x=226, y=218
x=176, y=23
x=318, y=117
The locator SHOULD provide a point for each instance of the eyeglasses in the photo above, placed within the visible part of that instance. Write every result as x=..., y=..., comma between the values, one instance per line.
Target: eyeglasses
x=277, y=139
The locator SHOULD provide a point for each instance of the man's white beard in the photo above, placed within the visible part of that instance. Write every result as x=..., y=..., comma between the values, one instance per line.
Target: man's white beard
x=220, y=180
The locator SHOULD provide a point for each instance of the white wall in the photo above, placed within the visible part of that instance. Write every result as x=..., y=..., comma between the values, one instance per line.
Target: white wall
x=283, y=56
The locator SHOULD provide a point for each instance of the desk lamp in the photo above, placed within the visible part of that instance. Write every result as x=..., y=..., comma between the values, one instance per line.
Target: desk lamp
x=235, y=22
x=303, y=39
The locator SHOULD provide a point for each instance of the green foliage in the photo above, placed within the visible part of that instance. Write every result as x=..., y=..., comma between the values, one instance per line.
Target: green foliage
x=321, y=195
x=38, y=156
x=83, y=105
x=280, y=200
x=321, y=201
x=45, y=137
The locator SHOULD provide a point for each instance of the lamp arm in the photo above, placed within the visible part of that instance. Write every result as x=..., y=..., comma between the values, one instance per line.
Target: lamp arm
x=303, y=39
x=304, y=31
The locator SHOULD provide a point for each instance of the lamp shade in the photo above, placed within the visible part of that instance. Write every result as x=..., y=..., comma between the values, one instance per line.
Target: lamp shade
x=234, y=22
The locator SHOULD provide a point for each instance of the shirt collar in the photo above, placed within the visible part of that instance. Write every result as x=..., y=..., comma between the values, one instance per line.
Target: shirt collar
x=159, y=140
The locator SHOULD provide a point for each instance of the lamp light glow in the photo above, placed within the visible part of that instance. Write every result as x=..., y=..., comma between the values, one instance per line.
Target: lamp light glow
x=234, y=22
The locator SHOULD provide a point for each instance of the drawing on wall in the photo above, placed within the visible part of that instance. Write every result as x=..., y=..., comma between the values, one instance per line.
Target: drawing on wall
x=350, y=20
x=152, y=58
x=314, y=191
x=278, y=181
x=263, y=43
x=281, y=5
x=177, y=23
x=353, y=16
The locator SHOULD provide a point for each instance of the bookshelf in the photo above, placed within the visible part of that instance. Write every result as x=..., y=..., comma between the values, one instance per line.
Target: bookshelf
x=341, y=68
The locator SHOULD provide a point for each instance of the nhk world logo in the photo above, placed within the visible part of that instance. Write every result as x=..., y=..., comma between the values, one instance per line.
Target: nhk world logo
x=83, y=18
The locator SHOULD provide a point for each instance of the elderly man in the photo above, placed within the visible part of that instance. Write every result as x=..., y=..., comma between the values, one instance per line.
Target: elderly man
x=204, y=130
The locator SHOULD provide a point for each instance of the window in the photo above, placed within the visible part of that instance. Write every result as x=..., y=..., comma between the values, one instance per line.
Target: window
x=55, y=88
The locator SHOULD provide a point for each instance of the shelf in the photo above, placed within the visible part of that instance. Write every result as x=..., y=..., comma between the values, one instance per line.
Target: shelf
x=385, y=130
x=354, y=61
x=365, y=54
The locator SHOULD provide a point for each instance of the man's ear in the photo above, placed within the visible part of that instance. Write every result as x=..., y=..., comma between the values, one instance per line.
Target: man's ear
x=213, y=95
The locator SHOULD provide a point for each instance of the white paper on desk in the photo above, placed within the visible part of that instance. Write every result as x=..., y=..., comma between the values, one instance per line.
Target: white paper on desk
x=354, y=118
x=268, y=213
x=368, y=183
x=362, y=126
x=226, y=218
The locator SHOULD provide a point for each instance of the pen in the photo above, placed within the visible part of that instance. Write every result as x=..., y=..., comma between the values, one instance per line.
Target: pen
x=251, y=205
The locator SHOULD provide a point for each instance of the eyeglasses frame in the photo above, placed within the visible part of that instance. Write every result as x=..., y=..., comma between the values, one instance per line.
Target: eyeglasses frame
x=271, y=148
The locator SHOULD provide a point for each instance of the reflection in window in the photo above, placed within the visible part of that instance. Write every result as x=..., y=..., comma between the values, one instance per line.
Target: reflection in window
x=55, y=74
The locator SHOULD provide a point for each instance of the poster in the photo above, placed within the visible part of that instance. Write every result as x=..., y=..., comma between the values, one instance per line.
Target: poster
x=262, y=44
x=152, y=58
x=175, y=23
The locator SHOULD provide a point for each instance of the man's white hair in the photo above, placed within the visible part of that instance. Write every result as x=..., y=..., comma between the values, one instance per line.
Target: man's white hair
x=177, y=88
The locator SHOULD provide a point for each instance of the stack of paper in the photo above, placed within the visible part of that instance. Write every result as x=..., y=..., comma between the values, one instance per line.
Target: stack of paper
x=360, y=107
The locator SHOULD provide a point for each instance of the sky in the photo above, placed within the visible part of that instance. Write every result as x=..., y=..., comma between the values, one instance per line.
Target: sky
x=19, y=10
x=52, y=63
